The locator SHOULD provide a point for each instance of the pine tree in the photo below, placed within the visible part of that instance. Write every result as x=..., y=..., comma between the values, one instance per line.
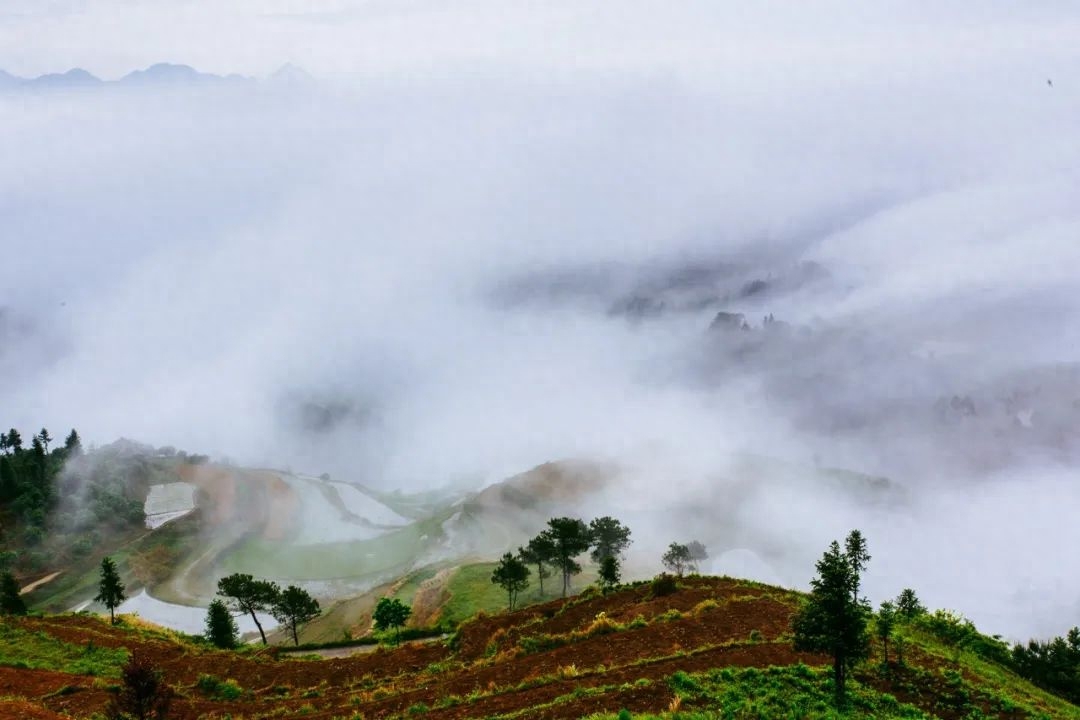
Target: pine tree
x=885, y=623
x=11, y=603
x=221, y=629
x=249, y=596
x=908, y=606
x=539, y=552
x=569, y=537
x=831, y=619
x=110, y=589
x=512, y=575
x=610, y=572
x=609, y=537
x=858, y=556
x=73, y=444
x=294, y=607
x=45, y=438
x=37, y=451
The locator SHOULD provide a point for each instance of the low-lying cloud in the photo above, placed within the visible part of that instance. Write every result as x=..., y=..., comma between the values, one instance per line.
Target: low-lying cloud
x=410, y=277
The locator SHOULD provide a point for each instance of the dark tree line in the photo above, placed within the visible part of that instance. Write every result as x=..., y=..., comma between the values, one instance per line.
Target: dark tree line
x=556, y=549
x=246, y=595
x=28, y=476
x=1053, y=665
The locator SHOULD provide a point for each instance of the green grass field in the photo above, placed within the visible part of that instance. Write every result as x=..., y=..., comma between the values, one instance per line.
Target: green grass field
x=471, y=591
x=39, y=651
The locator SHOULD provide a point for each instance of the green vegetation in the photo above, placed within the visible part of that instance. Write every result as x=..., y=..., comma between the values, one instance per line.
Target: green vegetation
x=391, y=613
x=471, y=591
x=680, y=558
x=539, y=552
x=110, y=588
x=293, y=607
x=219, y=689
x=601, y=625
x=908, y=605
x=662, y=585
x=609, y=537
x=11, y=603
x=512, y=575
x=41, y=651
x=979, y=676
x=833, y=619
x=247, y=595
x=796, y=691
x=1053, y=665
x=407, y=590
x=884, y=624
x=677, y=558
x=393, y=551
x=565, y=538
x=569, y=538
x=79, y=581
x=143, y=693
x=221, y=629
x=610, y=573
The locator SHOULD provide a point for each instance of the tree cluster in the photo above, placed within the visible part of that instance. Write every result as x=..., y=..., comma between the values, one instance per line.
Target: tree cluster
x=1053, y=665
x=557, y=549
x=682, y=558
x=391, y=613
x=246, y=595
x=57, y=501
x=28, y=478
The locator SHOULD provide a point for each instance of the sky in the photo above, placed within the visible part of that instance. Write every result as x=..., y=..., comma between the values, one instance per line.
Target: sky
x=409, y=274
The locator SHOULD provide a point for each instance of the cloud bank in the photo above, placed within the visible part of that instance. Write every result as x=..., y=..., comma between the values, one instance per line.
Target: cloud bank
x=495, y=237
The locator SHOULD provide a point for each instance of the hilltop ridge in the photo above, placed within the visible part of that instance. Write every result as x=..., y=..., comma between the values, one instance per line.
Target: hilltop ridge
x=719, y=647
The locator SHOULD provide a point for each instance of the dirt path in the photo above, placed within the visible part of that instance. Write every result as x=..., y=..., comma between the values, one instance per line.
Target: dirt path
x=38, y=583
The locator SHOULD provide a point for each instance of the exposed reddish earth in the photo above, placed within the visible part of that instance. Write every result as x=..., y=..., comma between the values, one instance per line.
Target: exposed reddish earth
x=486, y=673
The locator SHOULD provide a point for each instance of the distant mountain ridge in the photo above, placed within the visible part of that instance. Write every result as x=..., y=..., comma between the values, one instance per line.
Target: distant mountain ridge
x=157, y=75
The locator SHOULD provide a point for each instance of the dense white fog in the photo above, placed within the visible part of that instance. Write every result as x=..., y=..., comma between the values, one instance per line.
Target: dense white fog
x=483, y=238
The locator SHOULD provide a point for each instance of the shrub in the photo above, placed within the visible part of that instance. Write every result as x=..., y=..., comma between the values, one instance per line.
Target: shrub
x=219, y=689
x=663, y=585
x=143, y=695
x=755, y=636
x=669, y=615
x=950, y=627
x=705, y=606
x=681, y=682
x=541, y=642
x=602, y=625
